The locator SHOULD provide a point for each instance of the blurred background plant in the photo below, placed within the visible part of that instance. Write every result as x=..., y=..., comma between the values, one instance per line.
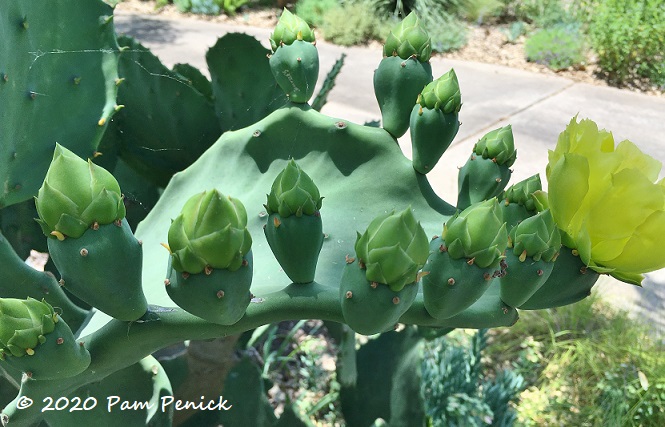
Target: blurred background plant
x=559, y=47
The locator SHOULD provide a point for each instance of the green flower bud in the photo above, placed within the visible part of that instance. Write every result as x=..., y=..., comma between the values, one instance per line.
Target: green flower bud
x=537, y=237
x=290, y=28
x=477, y=233
x=293, y=193
x=407, y=39
x=522, y=192
x=442, y=94
x=24, y=324
x=75, y=195
x=209, y=233
x=393, y=249
x=498, y=144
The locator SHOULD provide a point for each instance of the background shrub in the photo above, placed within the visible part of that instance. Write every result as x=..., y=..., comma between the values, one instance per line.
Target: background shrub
x=313, y=11
x=353, y=24
x=629, y=38
x=558, y=47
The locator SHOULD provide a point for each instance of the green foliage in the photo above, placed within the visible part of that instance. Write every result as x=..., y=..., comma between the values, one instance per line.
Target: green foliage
x=629, y=38
x=585, y=362
x=479, y=10
x=205, y=7
x=446, y=31
x=558, y=47
x=353, y=24
x=454, y=389
x=515, y=31
x=541, y=13
x=313, y=11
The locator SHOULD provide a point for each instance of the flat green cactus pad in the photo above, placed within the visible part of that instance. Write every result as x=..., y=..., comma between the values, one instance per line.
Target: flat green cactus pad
x=360, y=171
x=49, y=77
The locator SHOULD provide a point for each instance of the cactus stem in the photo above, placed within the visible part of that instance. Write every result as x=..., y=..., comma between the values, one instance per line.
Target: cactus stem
x=167, y=282
x=84, y=252
x=348, y=259
x=58, y=235
x=220, y=294
x=540, y=272
x=29, y=352
x=471, y=261
x=522, y=256
x=277, y=222
x=451, y=281
x=256, y=133
x=349, y=294
x=395, y=300
x=208, y=270
x=95, y=226
x=487, y=276
x=575, y=252
x=374, y=285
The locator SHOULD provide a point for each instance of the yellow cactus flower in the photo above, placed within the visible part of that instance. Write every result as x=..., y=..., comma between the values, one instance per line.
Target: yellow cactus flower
x=607, y=201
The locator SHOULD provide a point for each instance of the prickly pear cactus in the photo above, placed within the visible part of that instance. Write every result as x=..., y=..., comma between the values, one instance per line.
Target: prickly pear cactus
x=365, y=261
x=43, y=69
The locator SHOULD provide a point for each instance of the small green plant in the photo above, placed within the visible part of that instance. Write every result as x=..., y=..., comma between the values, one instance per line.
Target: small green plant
x=480, y=10
x=558, y=47
x=629, y=38
x=584, y=362
x=313, y=11
x=353, y=24
x=515, y=31
x=454, y=389
x=541, y=13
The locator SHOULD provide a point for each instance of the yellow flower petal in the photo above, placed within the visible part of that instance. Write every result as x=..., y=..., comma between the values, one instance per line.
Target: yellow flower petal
x=645, y=251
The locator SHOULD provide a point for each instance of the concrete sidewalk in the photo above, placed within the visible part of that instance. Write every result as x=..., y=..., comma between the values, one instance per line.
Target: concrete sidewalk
x=538, y=106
